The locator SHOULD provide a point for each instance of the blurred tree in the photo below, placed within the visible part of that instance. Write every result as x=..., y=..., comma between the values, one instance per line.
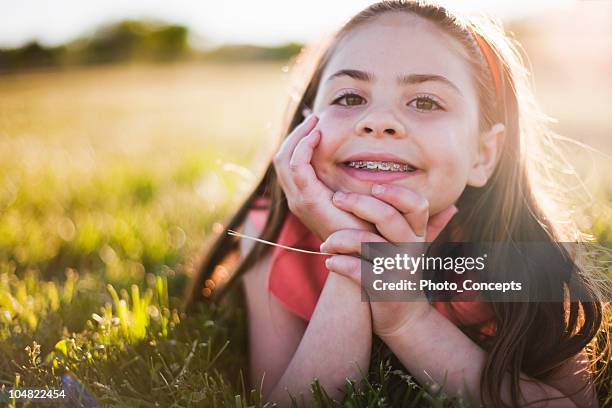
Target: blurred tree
x=31, y=55
x=169, y=42
x=242, y=52
x=134, y=40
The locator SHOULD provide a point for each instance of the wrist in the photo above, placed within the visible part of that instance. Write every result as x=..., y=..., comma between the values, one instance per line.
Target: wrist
x=418, y=313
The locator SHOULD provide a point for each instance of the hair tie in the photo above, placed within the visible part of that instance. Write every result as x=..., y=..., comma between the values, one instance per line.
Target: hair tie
x=491, y=61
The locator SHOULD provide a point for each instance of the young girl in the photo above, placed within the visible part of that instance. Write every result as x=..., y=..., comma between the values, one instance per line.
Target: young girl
x=438, y=110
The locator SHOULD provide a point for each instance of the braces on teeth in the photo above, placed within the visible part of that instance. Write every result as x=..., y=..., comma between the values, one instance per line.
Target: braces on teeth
x=373, y=165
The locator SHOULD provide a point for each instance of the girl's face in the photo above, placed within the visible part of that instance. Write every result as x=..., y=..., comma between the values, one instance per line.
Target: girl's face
x=399, y=86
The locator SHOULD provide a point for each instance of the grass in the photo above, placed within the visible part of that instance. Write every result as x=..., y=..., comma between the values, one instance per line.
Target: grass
x=111, y=179
x=132, y=348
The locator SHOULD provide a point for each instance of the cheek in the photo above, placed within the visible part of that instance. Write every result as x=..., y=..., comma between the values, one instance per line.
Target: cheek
x=448, y=156
x=449, y=149
x=334, y=124
x=333, y=135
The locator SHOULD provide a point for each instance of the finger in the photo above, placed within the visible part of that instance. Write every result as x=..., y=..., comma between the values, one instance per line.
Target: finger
x=411, y=204
x=346, y=265
x=348, y=241
x=288, y=146
x=439, y=221
x=392, y=225
x=283, y=155
x=299, y=165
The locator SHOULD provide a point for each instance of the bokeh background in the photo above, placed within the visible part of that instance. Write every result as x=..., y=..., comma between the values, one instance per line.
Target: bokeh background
x=130, y=132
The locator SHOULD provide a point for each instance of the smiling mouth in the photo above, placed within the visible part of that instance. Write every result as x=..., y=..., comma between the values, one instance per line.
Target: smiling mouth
x=375, y=166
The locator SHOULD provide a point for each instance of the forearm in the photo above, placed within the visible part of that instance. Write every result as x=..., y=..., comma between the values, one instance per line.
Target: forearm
x=432, y=348
x=336, y=344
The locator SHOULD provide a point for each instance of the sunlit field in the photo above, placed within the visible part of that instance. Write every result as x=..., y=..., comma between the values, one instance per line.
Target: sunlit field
x=113, y=178
x=123, y=170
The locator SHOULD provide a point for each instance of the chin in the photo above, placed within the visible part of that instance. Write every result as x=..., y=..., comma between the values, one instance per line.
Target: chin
x=361, y=187
x=338, y=183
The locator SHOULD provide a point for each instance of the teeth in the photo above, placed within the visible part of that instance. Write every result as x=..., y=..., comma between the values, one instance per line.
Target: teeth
x=380, y=165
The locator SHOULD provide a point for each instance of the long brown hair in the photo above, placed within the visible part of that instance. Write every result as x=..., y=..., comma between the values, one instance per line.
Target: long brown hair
x=514, y=205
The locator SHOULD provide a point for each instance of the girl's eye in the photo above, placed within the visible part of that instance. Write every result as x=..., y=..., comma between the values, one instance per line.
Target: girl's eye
x=423, y=103
x=426, y=103
x=352, y=99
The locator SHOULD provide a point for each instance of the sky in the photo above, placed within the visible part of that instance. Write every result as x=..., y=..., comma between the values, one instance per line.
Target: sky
x=262, y=22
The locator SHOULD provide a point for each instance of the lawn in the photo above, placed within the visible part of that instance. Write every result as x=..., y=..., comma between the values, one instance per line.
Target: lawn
x=112, y=179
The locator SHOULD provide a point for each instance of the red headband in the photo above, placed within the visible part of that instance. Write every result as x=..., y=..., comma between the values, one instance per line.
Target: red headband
x=491, y=61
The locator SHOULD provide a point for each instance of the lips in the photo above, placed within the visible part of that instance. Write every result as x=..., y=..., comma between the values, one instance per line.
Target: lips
x=378, y=176
x=373, y=156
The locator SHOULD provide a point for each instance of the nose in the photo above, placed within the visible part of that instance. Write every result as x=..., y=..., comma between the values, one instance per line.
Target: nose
x=379, y=124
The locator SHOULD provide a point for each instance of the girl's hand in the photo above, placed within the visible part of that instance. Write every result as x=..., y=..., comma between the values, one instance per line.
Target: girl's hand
x=400, y=215
x=307, y=196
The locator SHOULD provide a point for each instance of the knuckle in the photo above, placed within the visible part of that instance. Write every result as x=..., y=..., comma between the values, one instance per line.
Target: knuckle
x=351, y=198
x=300, y=181
x=365, y=236
x=277, y=156
x=388, y=214
x=332, y=237
x=308, y=203
x=293, y=166
x=331, y=244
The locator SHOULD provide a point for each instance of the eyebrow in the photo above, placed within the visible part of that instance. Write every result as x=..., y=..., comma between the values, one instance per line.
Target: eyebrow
x=401, y=79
